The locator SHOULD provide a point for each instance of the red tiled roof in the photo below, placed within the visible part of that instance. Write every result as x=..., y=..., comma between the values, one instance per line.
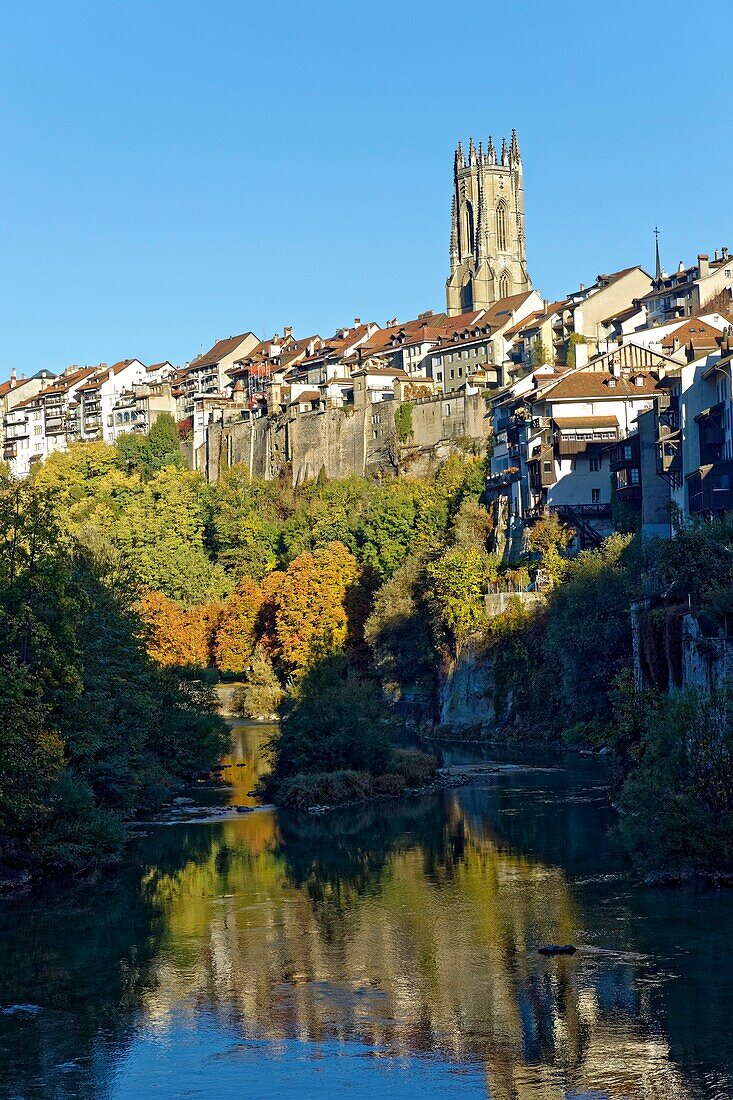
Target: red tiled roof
x=220, y=350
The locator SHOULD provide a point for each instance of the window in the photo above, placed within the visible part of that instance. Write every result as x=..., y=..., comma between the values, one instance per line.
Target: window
x=595, y=496
x=594, y=463
x=547, y=467
x=439, y=376
x=452, y=373
x=37, y=430
x=501, y=227
x=504, y=284
x=460, y=372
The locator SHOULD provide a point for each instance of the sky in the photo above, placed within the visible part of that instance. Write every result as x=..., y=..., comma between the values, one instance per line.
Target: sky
x=175, y=172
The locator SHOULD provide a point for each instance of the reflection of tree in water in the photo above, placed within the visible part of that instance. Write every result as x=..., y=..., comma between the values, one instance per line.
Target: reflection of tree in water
x=339, y=860
x=404, y=925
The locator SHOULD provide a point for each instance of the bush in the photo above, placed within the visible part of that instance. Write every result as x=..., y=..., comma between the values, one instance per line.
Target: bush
x=415, y=768
x=262, y=694
x=324, y=789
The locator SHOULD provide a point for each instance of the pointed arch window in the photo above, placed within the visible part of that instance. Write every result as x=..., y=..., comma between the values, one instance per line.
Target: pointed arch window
x=501, y=226
x=505, y=284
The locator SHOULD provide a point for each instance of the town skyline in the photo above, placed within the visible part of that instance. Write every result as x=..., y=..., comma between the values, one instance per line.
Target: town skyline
x=148, y=214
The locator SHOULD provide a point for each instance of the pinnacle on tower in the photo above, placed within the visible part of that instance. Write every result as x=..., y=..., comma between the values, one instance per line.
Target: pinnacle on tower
x=454, y=232
x=471, y=151
x=480, y=153
x=459, y=155
x=504, y=152
x=514, y=148
x=491, y=151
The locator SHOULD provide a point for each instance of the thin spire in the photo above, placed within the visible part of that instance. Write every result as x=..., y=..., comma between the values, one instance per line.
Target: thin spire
x=504, y=151
x=459, y=156
x=491, y=151
x=471, y=151
x=480, y=153
x=514, y=150
x=658, y=273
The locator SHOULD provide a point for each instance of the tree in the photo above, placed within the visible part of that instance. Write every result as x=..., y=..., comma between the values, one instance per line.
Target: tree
x=539, y=353
x=550, y=539
x=236, y=631
x=307, y=613
x=262, y=693
x=573, y=341
x=333, y=719
x=177, y=636
x=399, y=630
x=457, y=583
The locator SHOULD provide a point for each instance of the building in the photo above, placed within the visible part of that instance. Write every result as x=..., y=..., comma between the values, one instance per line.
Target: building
x=13, y=392
x=42, y=424
x=704, y=287
x=487, y=244
x=136, y=409
x=92, y=416
x=209, y=373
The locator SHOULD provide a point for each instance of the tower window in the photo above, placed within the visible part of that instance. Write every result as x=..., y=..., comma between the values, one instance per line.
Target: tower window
x=501, y=226
x=504, y=284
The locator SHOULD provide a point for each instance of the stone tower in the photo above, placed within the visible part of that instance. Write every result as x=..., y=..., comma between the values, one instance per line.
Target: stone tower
x=487, y=250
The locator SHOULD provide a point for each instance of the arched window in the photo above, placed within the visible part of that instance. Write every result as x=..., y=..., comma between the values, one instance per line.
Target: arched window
x=467, y=241
x=501, y=226
x=505, y=284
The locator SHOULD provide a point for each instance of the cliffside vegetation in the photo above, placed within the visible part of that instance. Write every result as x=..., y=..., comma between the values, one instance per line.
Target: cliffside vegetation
x=326, y=601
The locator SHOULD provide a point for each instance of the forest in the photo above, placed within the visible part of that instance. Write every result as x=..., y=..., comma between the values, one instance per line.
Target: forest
x=128, y=585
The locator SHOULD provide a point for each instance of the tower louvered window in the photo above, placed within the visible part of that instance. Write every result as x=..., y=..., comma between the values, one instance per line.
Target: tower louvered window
x=501, y=227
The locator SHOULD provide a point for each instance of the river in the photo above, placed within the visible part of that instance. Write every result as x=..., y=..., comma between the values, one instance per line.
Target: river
x=389, y=949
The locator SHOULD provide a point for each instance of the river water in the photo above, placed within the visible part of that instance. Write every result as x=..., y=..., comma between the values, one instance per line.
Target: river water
x=388, y=950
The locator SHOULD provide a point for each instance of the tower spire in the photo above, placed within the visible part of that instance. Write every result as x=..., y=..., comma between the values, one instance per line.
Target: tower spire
x=658, y=273
x=491, y=151
x=514, y=148
x=504, y=152
x=471, y=151
x=459, y=156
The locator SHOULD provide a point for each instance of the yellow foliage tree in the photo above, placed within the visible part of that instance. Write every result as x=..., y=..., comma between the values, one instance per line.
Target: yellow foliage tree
x=176, y=636
x=236, y=636
x=306, y=612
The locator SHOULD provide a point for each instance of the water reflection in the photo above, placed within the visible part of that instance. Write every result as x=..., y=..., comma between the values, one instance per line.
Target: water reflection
x=408, y=928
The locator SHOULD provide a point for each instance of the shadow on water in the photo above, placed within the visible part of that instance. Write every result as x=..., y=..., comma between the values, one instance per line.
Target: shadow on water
x=409, y=928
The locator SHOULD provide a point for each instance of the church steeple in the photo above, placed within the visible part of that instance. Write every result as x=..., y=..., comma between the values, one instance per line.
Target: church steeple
x=658, y=270
x=487, y=245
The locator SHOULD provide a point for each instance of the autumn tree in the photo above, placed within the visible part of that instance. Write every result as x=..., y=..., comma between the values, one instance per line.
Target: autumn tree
x=307, y=617
x=236, y=631
x=178, y=636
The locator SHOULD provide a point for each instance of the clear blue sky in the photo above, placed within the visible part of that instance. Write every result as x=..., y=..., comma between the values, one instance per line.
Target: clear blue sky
x=178, y=171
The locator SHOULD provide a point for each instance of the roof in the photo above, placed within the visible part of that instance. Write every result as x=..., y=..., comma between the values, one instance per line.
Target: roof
x=220, y=350
x=590, y=383
x=693, y=332
x=306, y=395
x=564, y=423
x=158, y=366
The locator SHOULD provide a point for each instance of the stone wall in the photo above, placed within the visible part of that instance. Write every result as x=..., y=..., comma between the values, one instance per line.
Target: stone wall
x=340, y=442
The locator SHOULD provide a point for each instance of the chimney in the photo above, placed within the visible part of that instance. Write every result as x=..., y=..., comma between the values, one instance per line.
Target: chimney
x=724, y=252
x=288, y=330
x=615, y=367
x=13, y=378
x=581, y=355
x=703, y=265
x=357, y=322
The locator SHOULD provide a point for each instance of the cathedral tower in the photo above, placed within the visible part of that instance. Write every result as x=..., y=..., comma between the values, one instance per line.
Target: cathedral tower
x=487, y=251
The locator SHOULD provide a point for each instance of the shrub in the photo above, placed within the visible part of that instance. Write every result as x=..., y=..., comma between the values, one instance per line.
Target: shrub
x=415, y=768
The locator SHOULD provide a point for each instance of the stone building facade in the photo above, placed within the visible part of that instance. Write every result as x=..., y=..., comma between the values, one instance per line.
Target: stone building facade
x=487, y=247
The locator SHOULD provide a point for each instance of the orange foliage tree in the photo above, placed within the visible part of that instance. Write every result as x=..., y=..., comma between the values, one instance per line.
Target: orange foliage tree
x=176, y=636
x=305, y=614
x=236, y=632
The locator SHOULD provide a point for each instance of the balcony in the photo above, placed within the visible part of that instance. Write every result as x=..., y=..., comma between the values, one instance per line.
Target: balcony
x=576, y=433
x=541, y=469
x=711, y=434
x=628, y=485
x=503, y=479
x=710, y=488
x=624, y=455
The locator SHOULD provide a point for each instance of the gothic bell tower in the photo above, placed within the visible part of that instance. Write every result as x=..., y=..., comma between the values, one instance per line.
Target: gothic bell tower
x=487, y=247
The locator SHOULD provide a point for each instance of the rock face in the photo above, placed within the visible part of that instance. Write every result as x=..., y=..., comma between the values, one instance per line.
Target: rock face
x=466, y=695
